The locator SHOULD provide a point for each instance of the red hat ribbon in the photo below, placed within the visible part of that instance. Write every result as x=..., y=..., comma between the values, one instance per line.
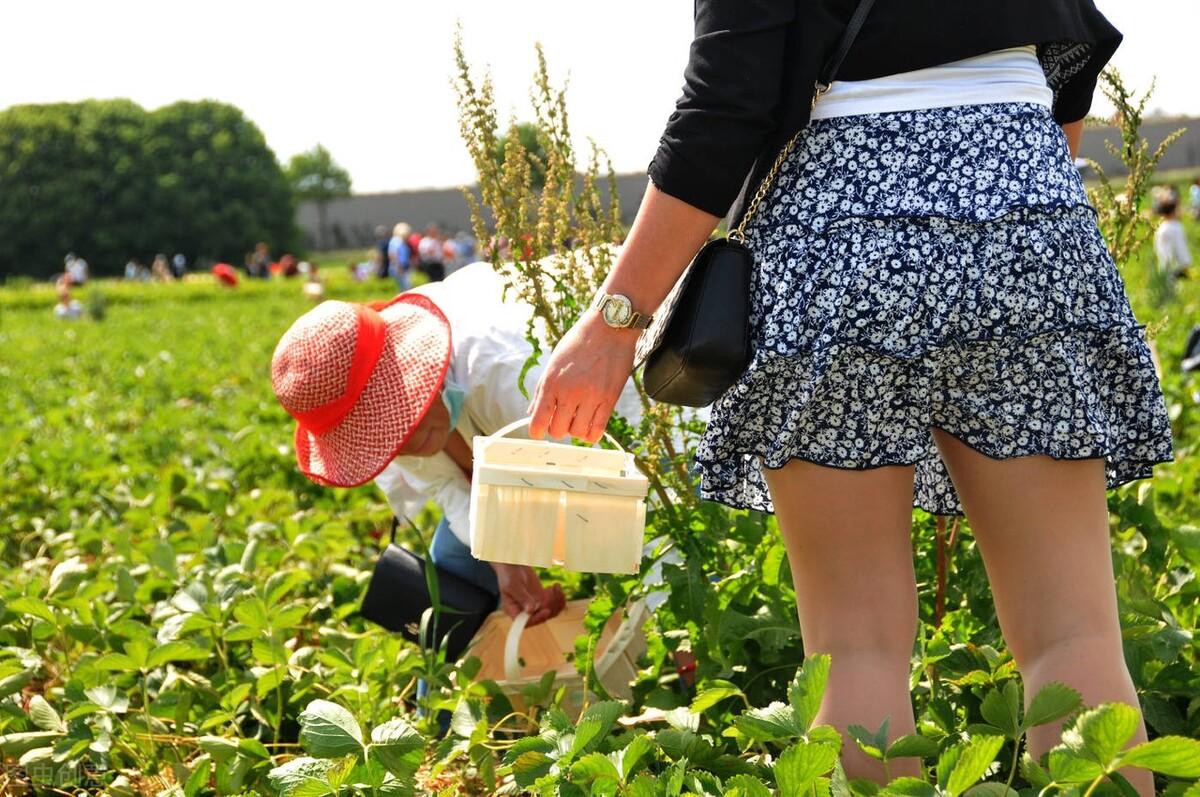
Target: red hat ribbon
x=368, y=346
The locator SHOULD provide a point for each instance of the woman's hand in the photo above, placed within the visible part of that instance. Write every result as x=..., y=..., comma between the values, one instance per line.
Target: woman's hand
x=583, y=380
x=521, y=591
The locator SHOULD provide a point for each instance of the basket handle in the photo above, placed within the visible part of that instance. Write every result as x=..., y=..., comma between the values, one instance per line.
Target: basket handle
x=512, y=644
x=601, y=664
x=525, y=422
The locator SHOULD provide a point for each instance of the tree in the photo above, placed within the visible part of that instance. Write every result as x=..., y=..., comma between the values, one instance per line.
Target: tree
x=110, y=181
x=316, y=177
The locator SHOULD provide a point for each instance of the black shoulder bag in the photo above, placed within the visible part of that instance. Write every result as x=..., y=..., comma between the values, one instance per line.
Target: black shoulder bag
x=699, y=343
x=398, y=595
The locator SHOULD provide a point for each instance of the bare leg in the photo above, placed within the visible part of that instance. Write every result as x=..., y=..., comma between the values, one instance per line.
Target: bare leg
x=848, y=537
x=1042, y=527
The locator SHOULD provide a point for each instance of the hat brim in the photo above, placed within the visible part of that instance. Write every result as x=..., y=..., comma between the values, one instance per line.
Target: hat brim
x=402, y=388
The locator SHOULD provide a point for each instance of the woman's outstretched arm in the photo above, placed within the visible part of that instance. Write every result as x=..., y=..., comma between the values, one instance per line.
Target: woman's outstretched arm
x=583, y=380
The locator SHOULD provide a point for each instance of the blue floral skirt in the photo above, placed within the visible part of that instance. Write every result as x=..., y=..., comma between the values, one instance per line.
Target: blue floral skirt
x=937, y=268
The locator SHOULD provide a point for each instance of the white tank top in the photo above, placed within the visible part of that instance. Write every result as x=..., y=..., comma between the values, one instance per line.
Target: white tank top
x=1012, y=75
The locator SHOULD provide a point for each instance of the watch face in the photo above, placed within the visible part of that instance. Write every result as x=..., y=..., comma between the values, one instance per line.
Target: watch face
x=617, y=311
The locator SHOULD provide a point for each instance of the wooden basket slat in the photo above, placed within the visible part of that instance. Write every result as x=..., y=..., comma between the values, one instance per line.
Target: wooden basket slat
x=540, y=503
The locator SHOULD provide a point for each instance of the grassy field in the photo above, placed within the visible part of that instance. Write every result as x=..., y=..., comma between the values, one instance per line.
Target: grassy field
x=177, y=598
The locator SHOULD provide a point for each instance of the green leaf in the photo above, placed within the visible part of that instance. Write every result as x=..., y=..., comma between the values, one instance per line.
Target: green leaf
x=29, y=605
x=269, y=652
x=593, y=769
x=683, y=718
x=302, y=777
x=630, y=757
x=398, y=746
x=773, y=723
x=290, y=617
x=66, y=575
x=254, y=748
x=1033, y=772
x=176, y=651
x=685, y=745
x=1068, y=766
x=714, y=694
x=116, y=662
x=108, y=697
x=990, y=790
x=220, y=748
x=15, y=683
x=327, y=730
x=269, y=680
x=808, y=689
x=529, y=766
x=468, y=714
x=1002, y=708
x=594, y=724
x=976, y=757
x=198, y=779
x=14, y=745
x=746, y=786
x=253, y=612
x=871, y=743
x=1053, y=701
x=799, y=766
x=1101, y=734
x=912, y=745
x=43, y=715
x=1173, y=756
x=908, y=787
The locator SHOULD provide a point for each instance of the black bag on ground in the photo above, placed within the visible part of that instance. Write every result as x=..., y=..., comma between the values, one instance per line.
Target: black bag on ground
x=398, y=595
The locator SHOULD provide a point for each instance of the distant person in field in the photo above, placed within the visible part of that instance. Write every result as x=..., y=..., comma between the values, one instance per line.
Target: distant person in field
x=67, y=308
x=76, y=268
x=161, y=269
x=1170, y=240
x=178, y=265
x=134, y=270
x=399, y=256
x=1194, y=199
x=258, y=264
x=432, y=254
x=382, y=240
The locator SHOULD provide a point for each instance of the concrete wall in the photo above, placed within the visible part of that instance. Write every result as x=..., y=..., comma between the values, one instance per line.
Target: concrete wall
x=351, y=222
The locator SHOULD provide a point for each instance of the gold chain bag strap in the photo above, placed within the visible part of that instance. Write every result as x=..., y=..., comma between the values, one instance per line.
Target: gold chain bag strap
x=699, y=343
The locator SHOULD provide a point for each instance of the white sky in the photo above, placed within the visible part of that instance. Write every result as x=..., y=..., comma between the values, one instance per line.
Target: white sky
x=370, y=79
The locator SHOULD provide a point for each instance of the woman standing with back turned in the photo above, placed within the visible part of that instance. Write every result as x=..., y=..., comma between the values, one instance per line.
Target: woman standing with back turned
x=936, y=317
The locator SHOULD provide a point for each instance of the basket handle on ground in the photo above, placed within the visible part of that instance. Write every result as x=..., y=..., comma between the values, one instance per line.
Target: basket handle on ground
x=512, y=643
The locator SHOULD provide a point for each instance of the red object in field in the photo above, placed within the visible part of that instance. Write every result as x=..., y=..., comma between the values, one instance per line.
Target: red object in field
x=275, y=268
x=527, y=247
x=225, y=274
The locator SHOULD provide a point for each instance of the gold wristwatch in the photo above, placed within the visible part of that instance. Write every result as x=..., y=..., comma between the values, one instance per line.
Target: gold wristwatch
x=617, y=311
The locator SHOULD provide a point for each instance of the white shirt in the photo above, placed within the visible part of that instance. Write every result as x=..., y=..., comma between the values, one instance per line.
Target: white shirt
x=1170, y=244
x=488, y=351
x=1012, y=75
x=430, y=250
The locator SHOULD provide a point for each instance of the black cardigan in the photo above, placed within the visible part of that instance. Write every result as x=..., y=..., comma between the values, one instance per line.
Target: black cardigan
x=749, y=80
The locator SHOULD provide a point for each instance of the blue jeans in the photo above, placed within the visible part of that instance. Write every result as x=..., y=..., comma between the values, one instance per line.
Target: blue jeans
x=449, y=553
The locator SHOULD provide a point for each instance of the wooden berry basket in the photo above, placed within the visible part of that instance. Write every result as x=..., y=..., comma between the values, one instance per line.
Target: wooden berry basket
x=540, y=503
x=515, y=656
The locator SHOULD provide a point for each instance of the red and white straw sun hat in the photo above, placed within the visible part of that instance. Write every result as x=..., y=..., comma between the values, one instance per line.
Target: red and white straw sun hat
x=358, y=379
